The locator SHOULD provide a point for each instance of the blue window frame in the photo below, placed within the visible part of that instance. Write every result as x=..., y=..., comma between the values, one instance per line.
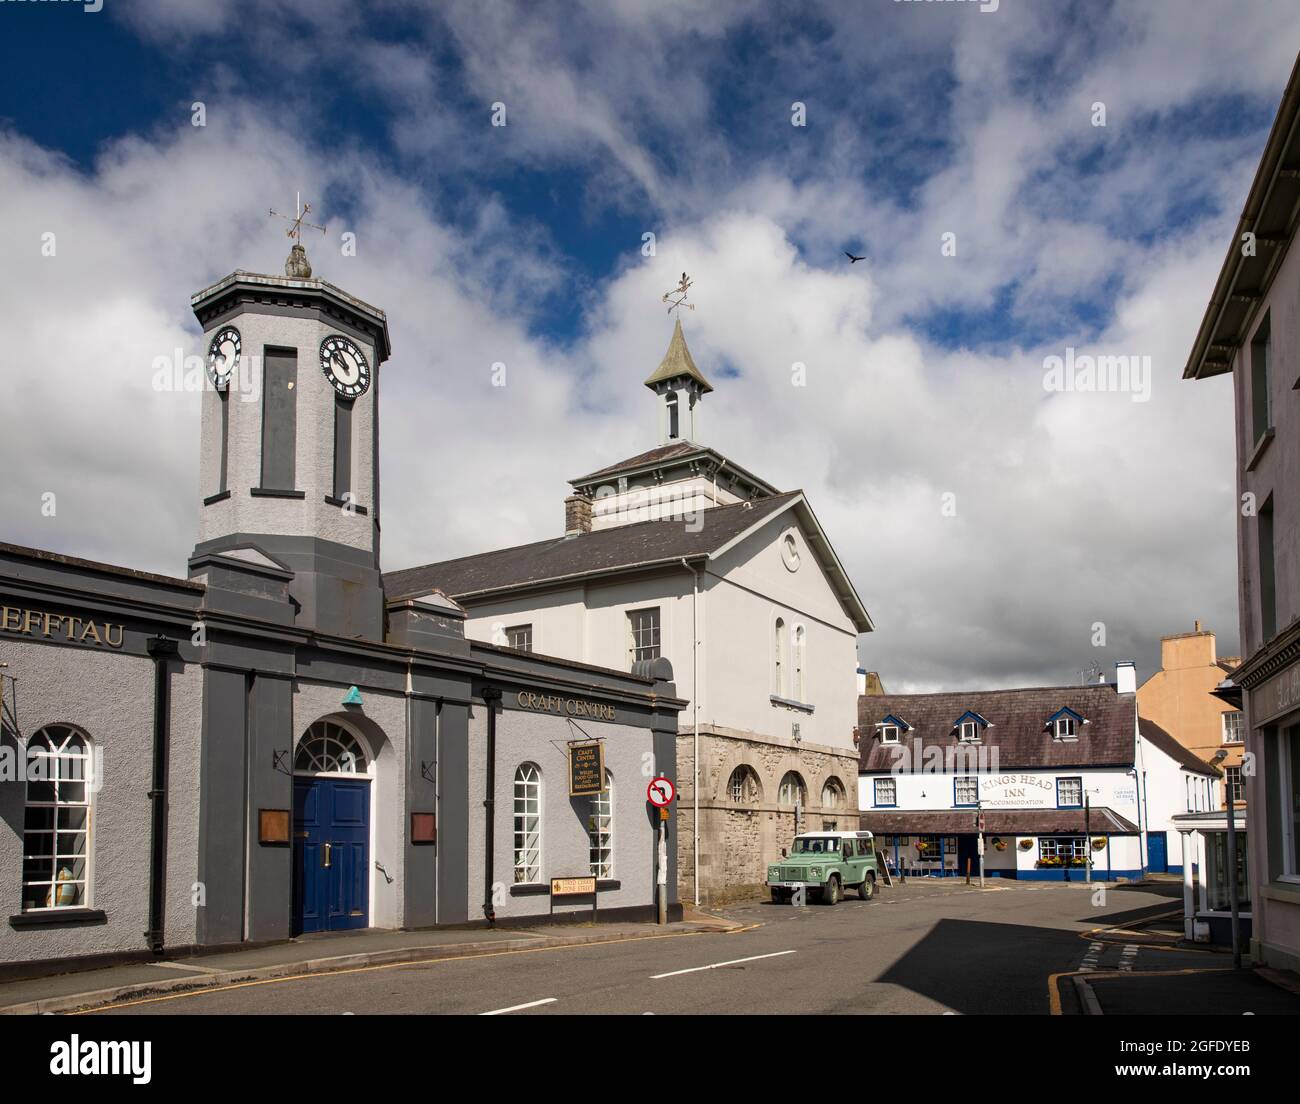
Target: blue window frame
x=884, y=793
x=1069, y=792
x=965, y=791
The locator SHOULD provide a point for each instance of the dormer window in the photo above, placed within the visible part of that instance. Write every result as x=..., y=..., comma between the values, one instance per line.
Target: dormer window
x=1064, y=724
x=892, y=729
x=970, y=727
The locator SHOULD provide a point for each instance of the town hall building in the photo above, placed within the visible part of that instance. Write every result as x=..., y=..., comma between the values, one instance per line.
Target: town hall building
x=680, y=552
x=278, y=743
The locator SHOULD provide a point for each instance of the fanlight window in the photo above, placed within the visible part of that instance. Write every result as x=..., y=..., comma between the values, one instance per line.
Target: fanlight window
x=328, y=748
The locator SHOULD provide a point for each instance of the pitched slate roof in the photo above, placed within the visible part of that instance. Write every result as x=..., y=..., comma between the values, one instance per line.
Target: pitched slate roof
x=1019, y=822
x=1017, y=725
x=678, y=450
x=1181, y=755
x=603, y=551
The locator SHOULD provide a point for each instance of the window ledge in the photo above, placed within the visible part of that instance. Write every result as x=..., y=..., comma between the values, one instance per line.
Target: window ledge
x=1261, y=447
x=790, y=703
x=268, y=492
x=330, y=500
x=42, y=918
x=1288, y=892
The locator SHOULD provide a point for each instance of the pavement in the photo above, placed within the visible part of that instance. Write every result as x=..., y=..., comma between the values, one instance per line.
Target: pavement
x=314, y=955
x=1190, y=979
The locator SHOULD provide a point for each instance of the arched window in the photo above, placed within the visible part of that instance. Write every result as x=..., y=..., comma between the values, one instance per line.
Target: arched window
x=528, y=823
x=793, y=791
x=329, y=748
x=56, y=819
x=600, y=830
x=743, y=788
x=798, y=692
x=833, y=794
x=778, y=658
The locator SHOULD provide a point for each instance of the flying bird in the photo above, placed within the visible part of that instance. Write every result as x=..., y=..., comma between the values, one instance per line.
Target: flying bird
x=852, y=258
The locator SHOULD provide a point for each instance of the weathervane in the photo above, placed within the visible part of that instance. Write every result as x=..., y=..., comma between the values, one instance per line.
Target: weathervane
x=680, y=292
x=297, y=264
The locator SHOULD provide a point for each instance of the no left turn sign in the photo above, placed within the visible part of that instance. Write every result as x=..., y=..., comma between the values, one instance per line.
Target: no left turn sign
x=660, y=792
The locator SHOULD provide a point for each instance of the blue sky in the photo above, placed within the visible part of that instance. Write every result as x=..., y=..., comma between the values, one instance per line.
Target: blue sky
x=522, y=244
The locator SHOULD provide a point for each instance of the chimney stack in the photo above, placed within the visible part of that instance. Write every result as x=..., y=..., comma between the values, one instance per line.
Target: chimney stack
x=1125, y=677
x=577, y=515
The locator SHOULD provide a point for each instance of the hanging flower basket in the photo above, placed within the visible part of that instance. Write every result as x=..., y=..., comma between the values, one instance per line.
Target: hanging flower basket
x=1099, y=843
x=1026, y=844
x=999, y=844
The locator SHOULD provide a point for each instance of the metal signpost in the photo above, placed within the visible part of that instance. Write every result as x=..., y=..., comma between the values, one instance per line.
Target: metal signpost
x=660, y=794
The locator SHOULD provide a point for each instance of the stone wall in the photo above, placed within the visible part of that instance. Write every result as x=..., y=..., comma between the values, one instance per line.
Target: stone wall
x=738, y=839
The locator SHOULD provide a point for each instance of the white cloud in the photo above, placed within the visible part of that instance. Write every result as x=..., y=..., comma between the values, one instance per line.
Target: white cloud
x=1071, y=509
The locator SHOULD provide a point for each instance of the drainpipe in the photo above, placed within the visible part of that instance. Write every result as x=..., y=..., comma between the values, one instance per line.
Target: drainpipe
x=161, y=649
x=695, y=725
x=491, y=695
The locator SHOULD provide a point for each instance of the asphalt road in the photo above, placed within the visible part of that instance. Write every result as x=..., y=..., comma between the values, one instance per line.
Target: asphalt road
x=922, y=948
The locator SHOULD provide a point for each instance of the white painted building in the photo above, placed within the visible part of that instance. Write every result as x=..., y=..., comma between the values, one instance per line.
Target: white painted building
x=1057, y=773
x=680, y=552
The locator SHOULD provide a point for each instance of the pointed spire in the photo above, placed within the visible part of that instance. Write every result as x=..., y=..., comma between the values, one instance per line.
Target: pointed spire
x=677, y=363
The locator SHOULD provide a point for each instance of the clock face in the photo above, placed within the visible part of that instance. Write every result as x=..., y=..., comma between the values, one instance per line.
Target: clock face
x=223, y=355
x=344, y=366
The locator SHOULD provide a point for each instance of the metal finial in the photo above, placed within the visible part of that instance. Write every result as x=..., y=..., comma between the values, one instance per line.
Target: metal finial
x=296, y=264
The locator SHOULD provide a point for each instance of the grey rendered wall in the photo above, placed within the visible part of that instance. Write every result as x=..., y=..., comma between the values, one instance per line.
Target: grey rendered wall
x=110, y=697
x=542, y=739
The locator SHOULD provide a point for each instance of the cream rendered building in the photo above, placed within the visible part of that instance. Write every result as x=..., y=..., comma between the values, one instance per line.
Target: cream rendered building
x=681, y=553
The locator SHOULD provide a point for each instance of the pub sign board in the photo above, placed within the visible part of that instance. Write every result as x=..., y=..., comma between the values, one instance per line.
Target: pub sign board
x=586, y=769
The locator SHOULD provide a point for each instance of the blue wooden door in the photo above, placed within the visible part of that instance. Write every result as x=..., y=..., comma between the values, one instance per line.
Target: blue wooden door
x=331, y=854
x=1157, y=853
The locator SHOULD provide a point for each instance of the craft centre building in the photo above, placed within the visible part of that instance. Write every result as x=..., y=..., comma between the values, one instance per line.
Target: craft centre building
x=1057, y=775
x=277, y=742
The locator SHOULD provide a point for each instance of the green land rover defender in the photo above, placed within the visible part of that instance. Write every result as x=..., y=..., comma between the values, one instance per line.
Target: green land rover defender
x=824, y=865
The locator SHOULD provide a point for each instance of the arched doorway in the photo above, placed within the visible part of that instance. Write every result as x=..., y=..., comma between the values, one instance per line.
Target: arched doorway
x=332, y=768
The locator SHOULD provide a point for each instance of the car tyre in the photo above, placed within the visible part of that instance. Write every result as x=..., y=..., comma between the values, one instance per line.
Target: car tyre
x=867, y=889
x=831, y=890
x=780, y=896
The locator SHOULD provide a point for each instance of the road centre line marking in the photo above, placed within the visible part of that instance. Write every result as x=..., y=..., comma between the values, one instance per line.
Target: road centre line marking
x=518, y=1007
x=324, y=974
x=719, y=965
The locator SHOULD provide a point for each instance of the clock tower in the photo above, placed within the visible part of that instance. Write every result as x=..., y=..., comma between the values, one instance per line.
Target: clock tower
x=289, y=446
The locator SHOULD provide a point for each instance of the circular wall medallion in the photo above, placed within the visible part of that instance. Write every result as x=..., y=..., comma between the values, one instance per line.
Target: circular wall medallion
x=790, y=550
